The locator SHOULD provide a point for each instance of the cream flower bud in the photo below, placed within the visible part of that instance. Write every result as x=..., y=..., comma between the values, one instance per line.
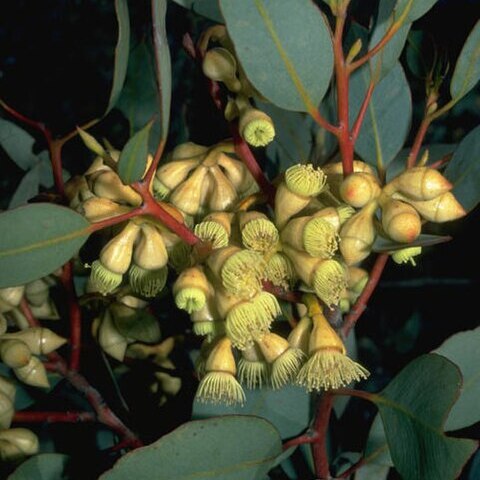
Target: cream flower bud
x=421, y=183
x=14, y=353
x=6, y=410
x=285, y=361
x=110, y=339
x=236, y=172
x=188, y=194
x=11, y=297
x=107, y=184
x=116, y=255
x=220, y=65
x=33, y=373
x=258, y=232
x=40, y=340
x=37, y=292
x=443, y=208
x=17, y=443
x=300, y=335
x=150, y=252
x=173, y=173
x=334, y=172
x=358, y=234
x=400, y=221
x=359, y=188
x=219, y=383
x=336, y=216
x=191, y=289
x=96, y=209
x=223, y=194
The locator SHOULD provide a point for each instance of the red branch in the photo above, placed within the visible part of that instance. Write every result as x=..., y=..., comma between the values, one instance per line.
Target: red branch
x=244, y=152
x=74, y=314
x=300, y=440
x=417, y=143
x=361, y=303
x=53, y=417
x=27, y=312
x=363, y=110
x=320, y=426
x=279, y=292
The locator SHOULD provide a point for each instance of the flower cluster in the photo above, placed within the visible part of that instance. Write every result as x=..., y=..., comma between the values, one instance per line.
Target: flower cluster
x=21, y=350
x=313, y=239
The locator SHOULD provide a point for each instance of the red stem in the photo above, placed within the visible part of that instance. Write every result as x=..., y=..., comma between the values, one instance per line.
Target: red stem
x=27, y=312
x=109, y=222
x=103, y=413
x=279, y=292
x=342, y=75
x=300, y=440
x=53, y=417
x=361, y=303
x=156, y=159
x=320, y=426
x=422, y=131
x=363, y=110
x=74, y=314
x=244, y=152
x=352, y=469
x=22, y=118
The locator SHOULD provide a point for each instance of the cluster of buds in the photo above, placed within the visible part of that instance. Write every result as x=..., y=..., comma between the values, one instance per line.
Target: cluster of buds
x=15, y=443
x=221, y=65
x=198, y=180
x=415, y=196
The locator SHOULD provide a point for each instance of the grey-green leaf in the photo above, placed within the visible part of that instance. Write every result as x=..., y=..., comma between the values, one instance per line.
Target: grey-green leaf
x=416, y=8
x=121, y=52
x=284, y=47
x=467, y=68
x=387, y=120
x=234, y=447
x=46, y=466
x=413, y=408
x=207, y=8
x=389, y=54
x=18, y=144
x=288, y=408
x=383, y=244
x=463, y=170
x=36, y=240
x=138, y=101
x=27, y=188
x=462, y=349
x=162, y=64
x=133, y=158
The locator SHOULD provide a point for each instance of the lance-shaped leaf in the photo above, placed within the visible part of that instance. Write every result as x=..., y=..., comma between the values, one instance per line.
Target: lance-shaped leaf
x=121, y=52
x=162, y=63
x=462, y=349
x=413, y=408
x=234, y=447
x=133, y=158
x=36, y=240
x=387, y=120
x=18, y=144
x=284, y=47
x=207, y=8
x=413, y=8
x=467, y=68
x=463, y=170
x=383, y=244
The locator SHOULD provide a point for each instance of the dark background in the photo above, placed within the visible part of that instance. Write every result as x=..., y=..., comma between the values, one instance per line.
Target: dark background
x=56, y=61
